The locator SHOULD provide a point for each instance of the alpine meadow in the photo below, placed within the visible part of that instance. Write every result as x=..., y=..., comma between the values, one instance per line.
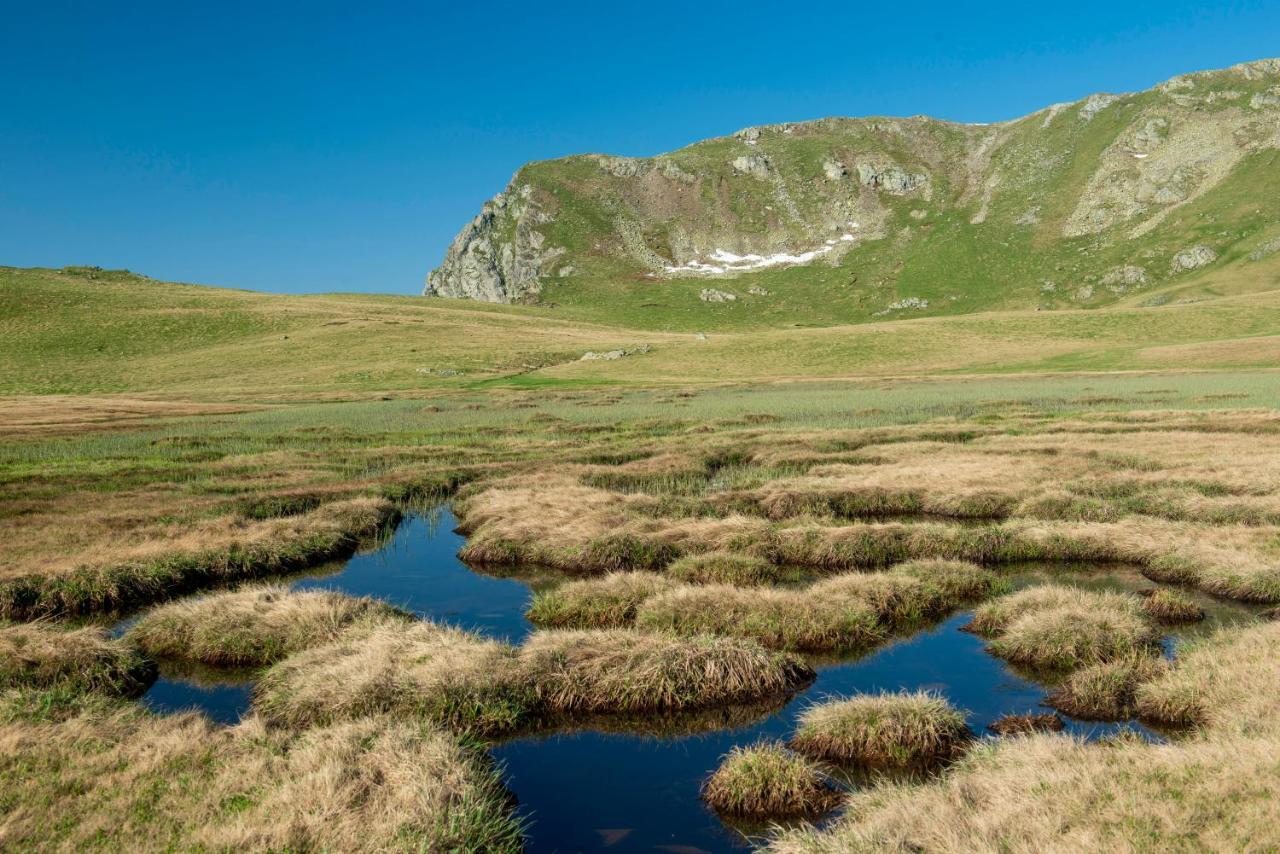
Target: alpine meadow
x=876, y=484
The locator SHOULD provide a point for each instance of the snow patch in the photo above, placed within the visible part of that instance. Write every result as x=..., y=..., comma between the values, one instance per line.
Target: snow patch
x=722, y=261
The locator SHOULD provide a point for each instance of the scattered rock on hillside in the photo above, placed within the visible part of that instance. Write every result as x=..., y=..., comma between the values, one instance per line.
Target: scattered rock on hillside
x=753, y=164
x=713, y=295
x=891, y=179
x=1262, y=100
x=1271, y=247
x=1096, y=104
x=1193, y=258
x=1120, y=279
x=834, y=169
x=622, y=167
x=757, y=291
x=614, y=355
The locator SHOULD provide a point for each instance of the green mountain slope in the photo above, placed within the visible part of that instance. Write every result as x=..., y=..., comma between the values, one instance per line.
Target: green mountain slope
x=1114, y=198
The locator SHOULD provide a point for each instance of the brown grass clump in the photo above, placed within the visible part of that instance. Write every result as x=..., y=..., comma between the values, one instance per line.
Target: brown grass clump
x=231, y=551
x=1027, y=724
x=628, y=671
x=596, y=603
x=1074, y=636
x=889, y=730
x=994, y=617
x=1045, y=792
x=254, y=625
x=724, y=568
x=779, y=619
x=161, y=783
x=38, y=655
x=1171, y=606
x=957, y=581
x=896, y=598
x=420, y=670
x=1106, y=691
x=766, y=781
x=1225, y=681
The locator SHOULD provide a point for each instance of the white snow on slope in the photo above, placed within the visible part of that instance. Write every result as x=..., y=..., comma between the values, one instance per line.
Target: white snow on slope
x=722, y=261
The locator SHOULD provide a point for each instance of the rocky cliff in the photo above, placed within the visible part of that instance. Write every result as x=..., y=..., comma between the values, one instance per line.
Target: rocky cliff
x=1076, y=204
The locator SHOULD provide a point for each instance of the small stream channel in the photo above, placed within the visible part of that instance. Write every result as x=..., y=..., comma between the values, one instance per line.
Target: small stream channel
x=594, y=790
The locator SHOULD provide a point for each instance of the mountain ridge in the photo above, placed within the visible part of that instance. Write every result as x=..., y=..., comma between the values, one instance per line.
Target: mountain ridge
x=1077, y=204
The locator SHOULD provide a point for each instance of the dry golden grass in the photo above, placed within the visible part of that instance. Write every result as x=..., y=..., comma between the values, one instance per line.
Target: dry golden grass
x=1075, y=636
x=1214, y=790
x=226, y=550
x=42, y=655
x=1106, y=691
x=144, y=783
x=1050, y=793
x=1189, y=497
x=1171, y=606
x=629, y=671
x=596, y=603
x=254, y=625
x=55, y=414
x=994, y=618
x=779, y=619
x=1226, y=682
x=724, y=568
x=422, y=671
x=766, y=780
x=883, y=730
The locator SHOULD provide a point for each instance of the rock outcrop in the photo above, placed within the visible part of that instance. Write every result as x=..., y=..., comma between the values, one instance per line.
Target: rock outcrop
x=1116, y=193
x=482, y=265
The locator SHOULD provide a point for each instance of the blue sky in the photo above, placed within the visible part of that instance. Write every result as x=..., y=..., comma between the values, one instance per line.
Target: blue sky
x=307, y=147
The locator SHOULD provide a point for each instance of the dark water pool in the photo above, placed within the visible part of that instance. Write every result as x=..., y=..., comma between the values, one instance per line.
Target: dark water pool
x=609, y=789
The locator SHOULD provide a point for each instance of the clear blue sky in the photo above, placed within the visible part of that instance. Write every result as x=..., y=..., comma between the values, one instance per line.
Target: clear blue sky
x=305, y=147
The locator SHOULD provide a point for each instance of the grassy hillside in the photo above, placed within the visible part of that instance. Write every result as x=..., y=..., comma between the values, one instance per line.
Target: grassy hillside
x=80, y=331
x=1076, y=206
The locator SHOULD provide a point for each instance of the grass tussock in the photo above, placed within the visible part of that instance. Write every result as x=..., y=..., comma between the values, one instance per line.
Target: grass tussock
x=995, y=617
x=1027, y=724
x=1045, y=792
x=767, y=780
x=882, y=730
x=422, y=670
x=596, y=603
x=724, y=568
x=1106, y=691
x=897, y=599
x=254, y=625
x=1074, y=636
x=265, y=548
x=37, y=655
x=1226, y=681
x=150, y=783
x=957, y=581
x=779, y=619
x=621, y=671
x=1171, y=606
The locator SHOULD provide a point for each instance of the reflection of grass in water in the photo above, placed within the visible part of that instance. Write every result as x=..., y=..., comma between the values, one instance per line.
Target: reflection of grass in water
x=205, y=675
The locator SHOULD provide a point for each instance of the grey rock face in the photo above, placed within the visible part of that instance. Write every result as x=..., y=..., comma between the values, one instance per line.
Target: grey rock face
x=713, y=295
x=753, y=164
x=1120, y=279
x=834, y=169
x=890, y=179
x=1192, y=259
x=1096, y=104
x=623, y=167
x=480, y=266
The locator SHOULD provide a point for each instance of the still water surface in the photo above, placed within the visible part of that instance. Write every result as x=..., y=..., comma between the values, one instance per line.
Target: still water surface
x=595, y=790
